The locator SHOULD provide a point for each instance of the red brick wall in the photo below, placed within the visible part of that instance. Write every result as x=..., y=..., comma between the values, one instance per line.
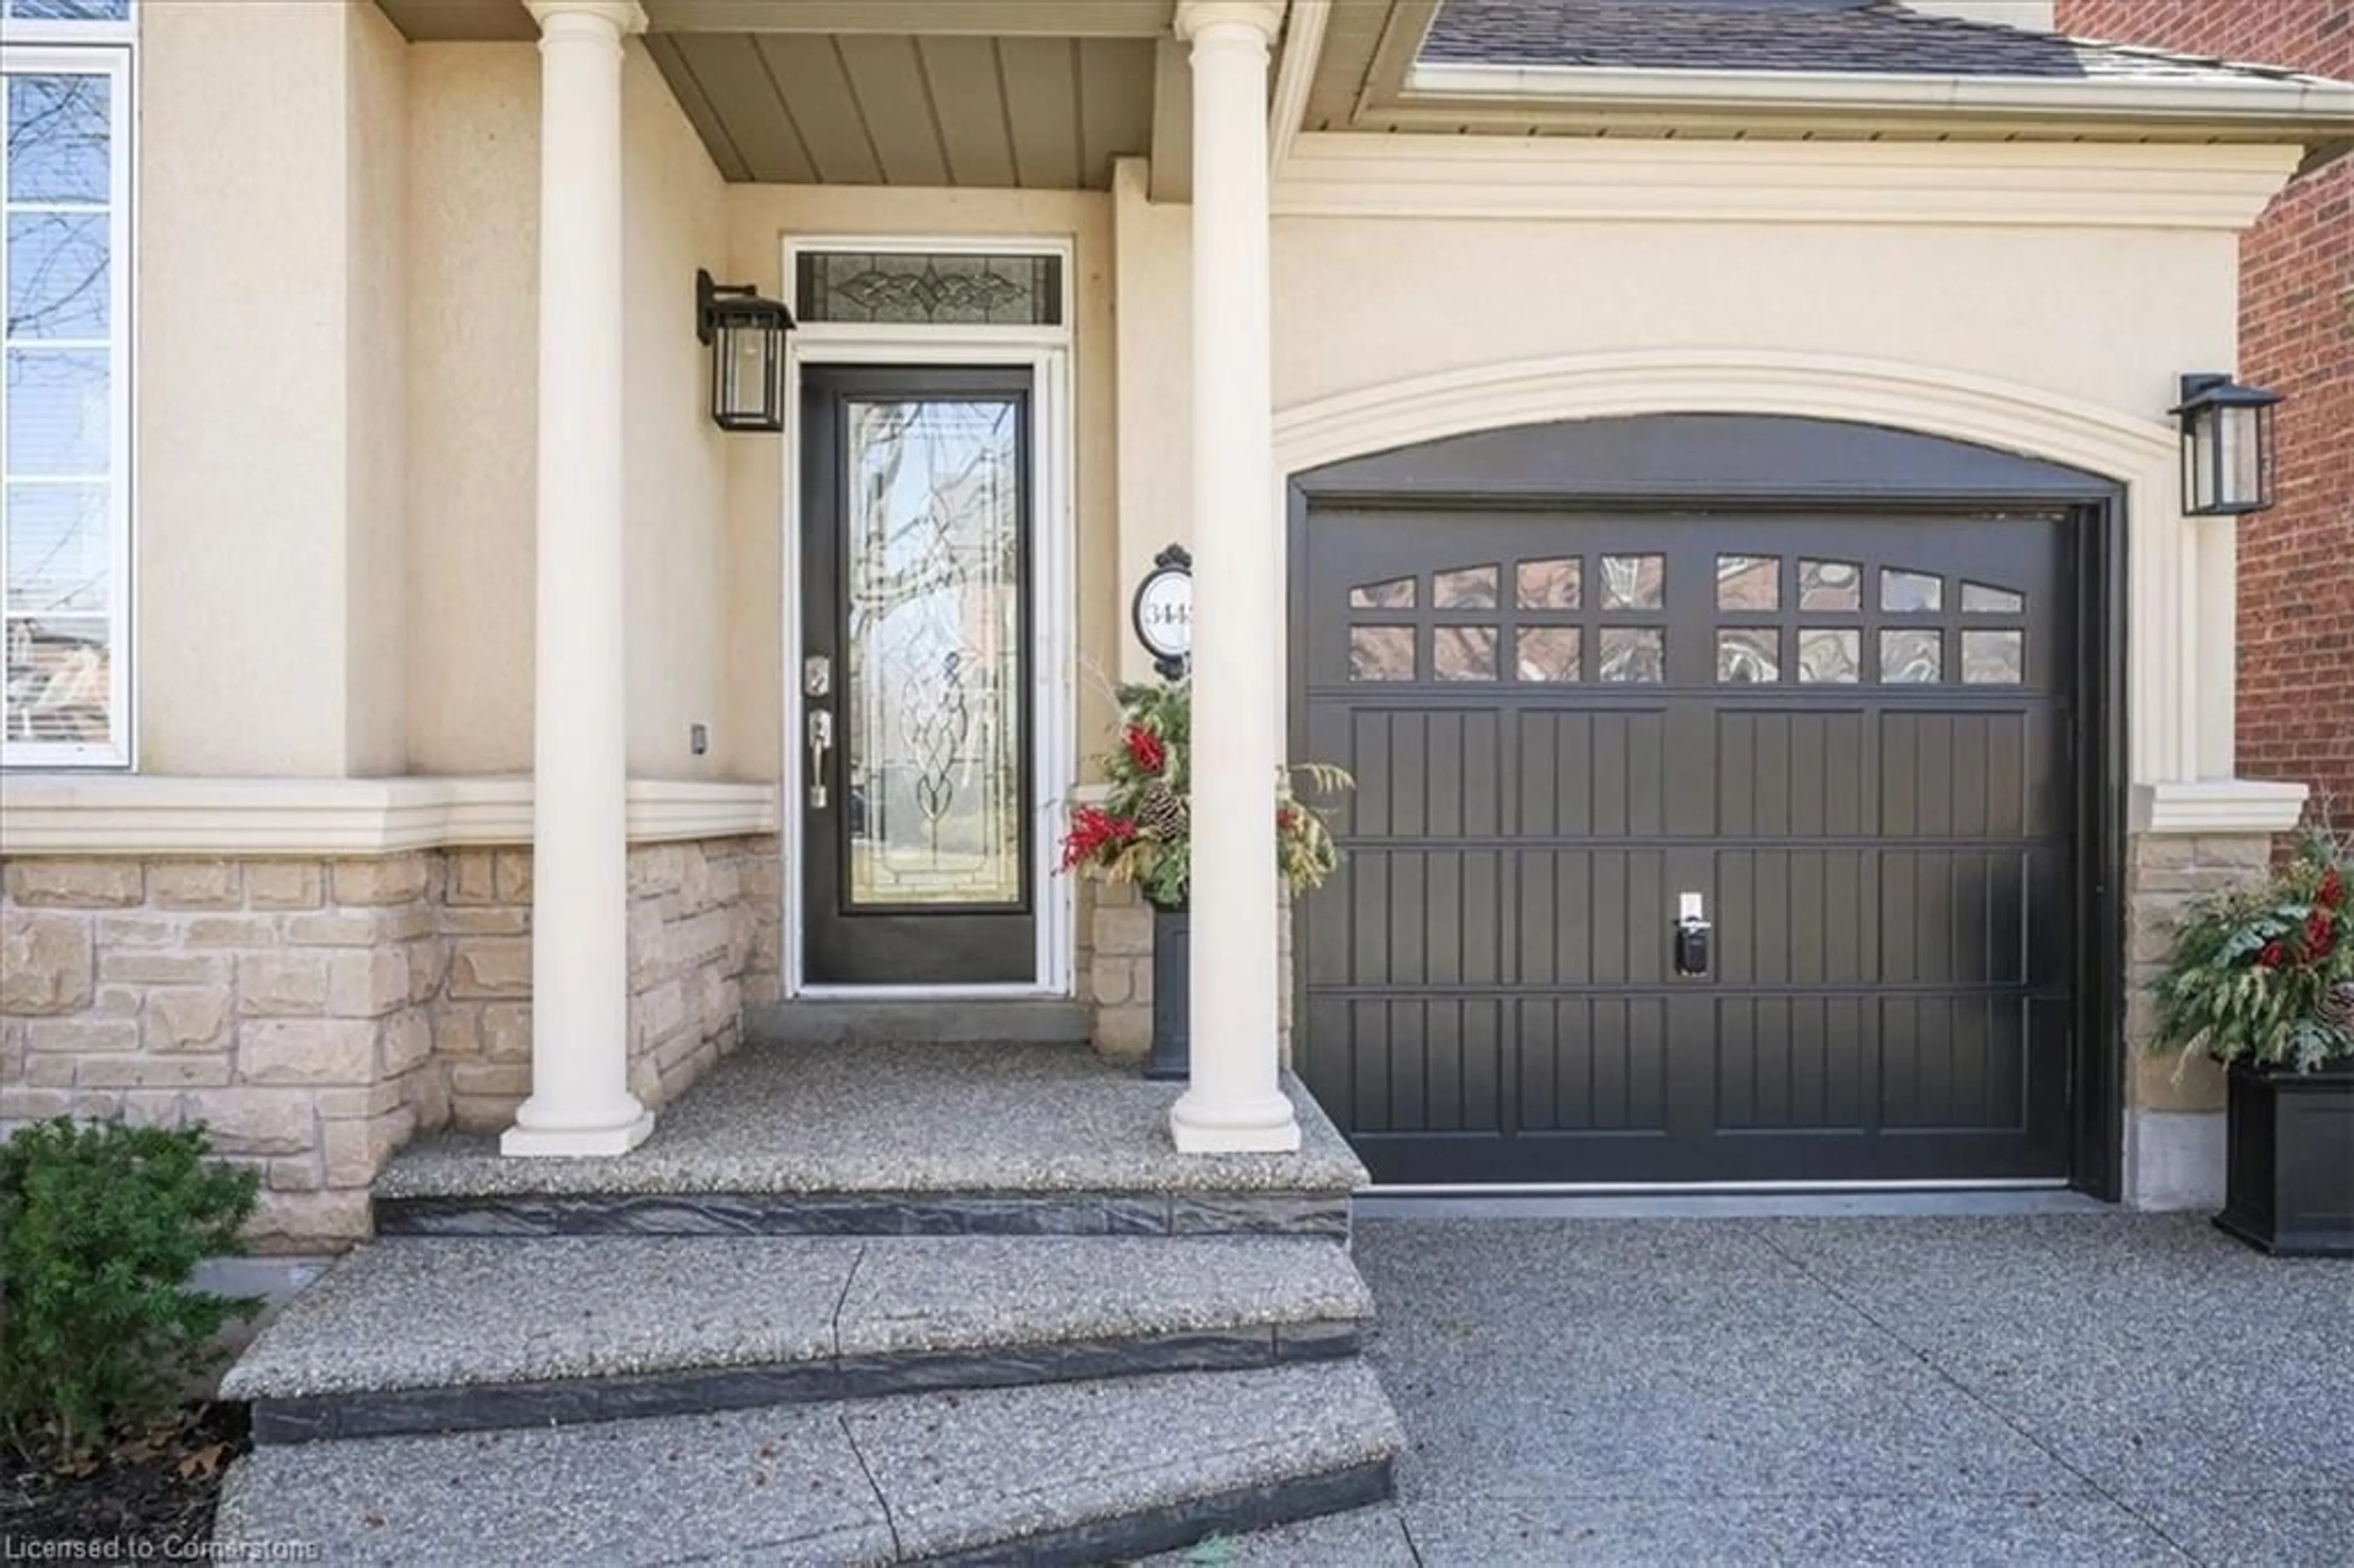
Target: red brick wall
x=2296, y=334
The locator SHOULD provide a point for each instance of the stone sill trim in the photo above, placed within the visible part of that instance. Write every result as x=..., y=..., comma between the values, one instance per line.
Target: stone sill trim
x=152, y=815
x=2218, y=806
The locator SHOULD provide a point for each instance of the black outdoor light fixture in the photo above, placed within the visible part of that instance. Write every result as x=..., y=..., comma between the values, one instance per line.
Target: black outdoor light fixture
x=746, y=334
x=2227, y=446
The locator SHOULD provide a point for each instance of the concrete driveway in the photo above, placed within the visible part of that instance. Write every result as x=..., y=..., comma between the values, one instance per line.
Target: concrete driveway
x=2061, y=1389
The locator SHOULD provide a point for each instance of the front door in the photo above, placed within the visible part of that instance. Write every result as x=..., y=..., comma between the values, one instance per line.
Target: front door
x=1842, y=738
x=915, y=677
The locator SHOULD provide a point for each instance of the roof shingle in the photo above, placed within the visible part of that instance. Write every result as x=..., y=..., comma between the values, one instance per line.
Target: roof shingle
x=1877, y=36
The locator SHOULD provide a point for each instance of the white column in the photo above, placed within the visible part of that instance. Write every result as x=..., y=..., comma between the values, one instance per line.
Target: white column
x=1233, y=1102
x=581, y=1101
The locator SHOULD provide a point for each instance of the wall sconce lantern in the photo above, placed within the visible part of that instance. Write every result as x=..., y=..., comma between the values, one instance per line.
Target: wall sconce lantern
x=2227, y=446
x=747, y=336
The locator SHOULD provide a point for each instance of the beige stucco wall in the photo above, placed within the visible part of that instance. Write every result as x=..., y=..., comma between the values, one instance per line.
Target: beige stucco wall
x=270, y=180
x=759, y=217
x=472, y=250
x=1363, y=305
x=375, y=417
x=474, y=269
x=1154, y=268
x=675, y=460
x=405, y=640
x=2113, y=318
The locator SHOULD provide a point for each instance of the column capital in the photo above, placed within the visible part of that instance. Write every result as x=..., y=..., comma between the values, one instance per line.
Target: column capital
x=623, y=17
x=1196, y=18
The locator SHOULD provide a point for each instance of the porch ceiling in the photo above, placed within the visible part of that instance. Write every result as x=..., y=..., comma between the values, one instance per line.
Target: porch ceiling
x=901, y=110
x=1040, y=94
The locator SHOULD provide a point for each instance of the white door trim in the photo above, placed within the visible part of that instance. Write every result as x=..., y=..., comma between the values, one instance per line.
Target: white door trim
x=1046, y=352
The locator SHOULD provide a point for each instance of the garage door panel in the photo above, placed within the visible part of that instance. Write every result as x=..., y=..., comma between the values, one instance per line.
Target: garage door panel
x=1956, y=1061
x=1556, y=917
x=1461, y=1061
x=1556, y=772
x=1413, y=917
x=1629, y=762
x=1794, y=1061
x=1972, y=774
x=1783, y=774
x=1884, y=846
x=1404, y=916
x=1430, y=1063
x=1793, y=917
x=1597, y=1064
x=1982, y=917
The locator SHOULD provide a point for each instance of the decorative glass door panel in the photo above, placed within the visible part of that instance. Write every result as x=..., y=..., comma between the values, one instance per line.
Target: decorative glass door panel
x=915, y=677
x=932, y=709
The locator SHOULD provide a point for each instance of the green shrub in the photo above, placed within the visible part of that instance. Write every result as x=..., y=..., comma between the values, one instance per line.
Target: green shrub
x=101, y=1227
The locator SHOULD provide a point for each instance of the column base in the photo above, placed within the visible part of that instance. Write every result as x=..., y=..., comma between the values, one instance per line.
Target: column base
x=520, y=1141
x=1254, y=1127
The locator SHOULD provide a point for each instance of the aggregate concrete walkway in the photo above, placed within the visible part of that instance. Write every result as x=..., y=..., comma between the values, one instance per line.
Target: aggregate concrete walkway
x=2062, y=1390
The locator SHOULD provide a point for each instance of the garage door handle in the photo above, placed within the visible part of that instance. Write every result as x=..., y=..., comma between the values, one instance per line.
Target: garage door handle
x=1691, y=936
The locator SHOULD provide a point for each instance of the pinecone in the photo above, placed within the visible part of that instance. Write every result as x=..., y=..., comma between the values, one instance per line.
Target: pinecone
x=1162, y=812
x=2337, y=1008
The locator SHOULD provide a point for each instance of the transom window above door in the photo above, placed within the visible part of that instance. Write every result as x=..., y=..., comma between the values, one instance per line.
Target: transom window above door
x=927, y=288
x=1780, y=620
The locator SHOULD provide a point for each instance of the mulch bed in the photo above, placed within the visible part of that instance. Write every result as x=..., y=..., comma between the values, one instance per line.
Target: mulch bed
x=159, y=1488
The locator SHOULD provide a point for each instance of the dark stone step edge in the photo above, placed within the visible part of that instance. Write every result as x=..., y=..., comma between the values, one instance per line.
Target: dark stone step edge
x=564, y=1401
x=1126, y=1537
x=864, y=1213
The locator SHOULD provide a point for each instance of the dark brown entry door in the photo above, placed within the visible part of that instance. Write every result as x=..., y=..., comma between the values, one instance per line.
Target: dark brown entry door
x=916, y=678
x=1846, y=737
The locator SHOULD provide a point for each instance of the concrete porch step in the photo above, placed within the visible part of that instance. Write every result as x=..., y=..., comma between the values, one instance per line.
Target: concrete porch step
x=902, y=1138
x=419, y=1334
x=1073, y=1473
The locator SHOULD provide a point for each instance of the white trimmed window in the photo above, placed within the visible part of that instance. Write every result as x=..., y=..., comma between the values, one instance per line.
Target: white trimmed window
x=65, y=408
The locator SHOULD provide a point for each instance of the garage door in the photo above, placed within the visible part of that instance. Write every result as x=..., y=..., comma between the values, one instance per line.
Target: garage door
x=1844, y=737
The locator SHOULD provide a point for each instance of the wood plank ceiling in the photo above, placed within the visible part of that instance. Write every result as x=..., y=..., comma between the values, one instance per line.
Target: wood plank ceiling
x=1041, y=94
x=1038, y=112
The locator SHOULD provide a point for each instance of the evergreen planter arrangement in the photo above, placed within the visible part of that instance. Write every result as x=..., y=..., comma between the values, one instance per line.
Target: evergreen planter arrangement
x=2262, y=979
x=1143, y=834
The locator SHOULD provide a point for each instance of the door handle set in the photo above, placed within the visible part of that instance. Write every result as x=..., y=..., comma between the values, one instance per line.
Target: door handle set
x=820, y=741
x=1691, y=931
x=817, y=681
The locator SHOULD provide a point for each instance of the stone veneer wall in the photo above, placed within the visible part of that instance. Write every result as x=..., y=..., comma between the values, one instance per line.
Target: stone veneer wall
x=318, y=1013
x=2174, y=1137
x=1117, y=967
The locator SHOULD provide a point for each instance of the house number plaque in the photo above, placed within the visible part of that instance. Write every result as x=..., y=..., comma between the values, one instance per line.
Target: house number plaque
x=1163, y=612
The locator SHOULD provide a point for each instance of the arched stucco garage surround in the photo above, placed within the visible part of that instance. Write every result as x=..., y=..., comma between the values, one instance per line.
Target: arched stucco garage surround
x=2180, y=574
x=1811, y=468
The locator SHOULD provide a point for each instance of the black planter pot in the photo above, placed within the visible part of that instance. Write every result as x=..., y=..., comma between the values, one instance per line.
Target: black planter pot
x=2289, y=1162
x=1172, y=1013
